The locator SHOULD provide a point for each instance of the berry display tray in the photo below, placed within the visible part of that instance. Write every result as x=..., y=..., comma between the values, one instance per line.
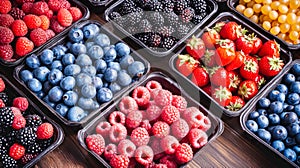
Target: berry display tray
x=233, y=3
x=12, y=92
x=62, y=40
x=85, y=15
x=216, y=129
x=252, y=107
x=98, y=3
x=211, y=4
x=225, y=17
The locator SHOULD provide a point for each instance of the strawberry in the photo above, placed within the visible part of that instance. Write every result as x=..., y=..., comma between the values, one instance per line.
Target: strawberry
x=207, y=89
x=200, y=77
x=44, y=131
x=209, y=58
x=249, y=69
x=270, y=48
x=237, y=62
x=16, y=151
x=225, y=52
x=235, y=81
x=210, y=38
x=247, y=89
x=257, y=43
x=235, y=104
x=219, y=26
x=195, y=47
x=186, y=64
x=231, y=31
x=244, y=43
x=222, y=95
x=270, y=65
x=260, y=81
x=219, y=77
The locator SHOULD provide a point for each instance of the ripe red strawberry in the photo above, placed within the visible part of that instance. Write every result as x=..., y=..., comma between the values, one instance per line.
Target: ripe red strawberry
x=6, y=52
x=207, y=89
x=76, y=13
x=225, y=52
x=260, y=80
x=235, y=81
x=186, y=64
x=16, y=151
x=195, y=47
x=95, y=143
x=247, y=89
x=270, y=65
x=19, y=28
x=237, y=62
x=44, y=131
x=219, y=77
x=270, y=48
x=231, y=31
x=19, y=122
x=249, y=69
x=24, y=46
x=40, y=8
x=209, y=58
x=32, y=21
x=7, y=36
x=5, y=6
x=235, y=104
x=222, y=95
x=64, y=17
x=6, y=20
x=38, y=37
x=210, y=38
x=257, y=43
x=200, y=77
x=45, y=22
x=245, y=44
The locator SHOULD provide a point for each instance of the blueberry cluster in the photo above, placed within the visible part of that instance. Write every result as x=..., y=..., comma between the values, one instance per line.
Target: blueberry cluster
x=276, y=119
x=75, y=78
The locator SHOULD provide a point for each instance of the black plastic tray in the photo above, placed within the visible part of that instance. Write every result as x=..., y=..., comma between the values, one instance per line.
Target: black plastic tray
x=62, y=40
x=226, y=16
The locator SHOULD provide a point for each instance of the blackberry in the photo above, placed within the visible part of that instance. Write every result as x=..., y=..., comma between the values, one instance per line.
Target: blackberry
x=132, y=29
x=114, y=15
x=168, y=6
x=165, y=31
x=168, y=42
x=26, y=136
x=171, y=19
x=156, y=19
x=198, y=18
x=133, y=18
x=179, y=6
x=200, y=6
x=3, y=145
x=34, y=148
x=27, y=158
x=145, y=26
x=127, y=7
x=154, y=40
x=8, y=162
x=6, y=117
x=33, y=120
x=182, y=30
x=17, y=13
x=4, y=97
x=143, y=37
x=155, y=6
x=187, y=14
x=11, y=136
x=44, y=144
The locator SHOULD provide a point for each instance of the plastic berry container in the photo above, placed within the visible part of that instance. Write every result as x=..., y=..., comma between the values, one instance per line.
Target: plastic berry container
x=160, y=52
x=97, y=3
x=254, y=106
x=167, y=83
x=225, y=17
x=62, y=40
x=232, y=5
x=58, y=136
x=85, y=15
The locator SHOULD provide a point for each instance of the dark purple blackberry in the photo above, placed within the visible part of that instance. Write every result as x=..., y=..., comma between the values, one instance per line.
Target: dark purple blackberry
x=155, y=6
x=3, y=145
x=165, y=31
x=133, y=18
x=27, y=158
x=154, y=40
x=4, y=97
x=145, y=26
x=8, y=162
x=182, y=30
x=26, y=136
x=44, y=144
x=168, y=6
x=11, y=136
x=33, y=120
x=179, y=6
x=200, y=6
x=17, y=13
x=34, y=149
x=168, y=42
x=114, y=15
x=187, y=14
x=155, y=18
x=171, y=19
x=143, y=37
x=198, y=18
x=127, y=7
x=132, y=29
x=6, y=117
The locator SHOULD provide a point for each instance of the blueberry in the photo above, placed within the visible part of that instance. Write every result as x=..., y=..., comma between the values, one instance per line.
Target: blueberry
x=47, y=101
x=296, y=69
x=293, y=98
x=78, y=49
x=115, y=87
x=252, y=125
x=61, y=109
x=90, y=70
x=282, y=88
x=70, y=98
x=264, y=103
x=56, y=64
x=47, y=86
x=295, y=87
x=47, y=57
x=90, y=31
x=26, y=75
x=40, y=94
x=290, y=154
x=97, y=82
x=279, y=132
x=122, y=49
x=136, y=69
x=83, y=60
x=82, y=79
x=41, y=73
x=276, y=107
x=274, y=119
x=126, y=61
x=274, y=95
x=89, y=44
x=68, y=59
x=104, y=95
x=55, y=76
x=264, y=135
x=262, y=112
x=100, y=65
x=253, y=115
x=95, y=105
x=55, y=94
x=110, y=55
x=58, y=51
x=114, y=65
x=297, y=109
x=289, y=108
x=288, y=78
x=33, y=61
x=123, y=79
x=85, y=103
x=75, y=35
x=69, y=44
x=72, y=70
x=110, y=75
x=88, y=91
x=68, y=83
x=297, y=138
x=102, y=40
x=289, y=118
x=34, y=85
x=278, y=145
x=293, y=129
x=95, y=52
x=76, y=114
x=262, y=121
x=296, y=149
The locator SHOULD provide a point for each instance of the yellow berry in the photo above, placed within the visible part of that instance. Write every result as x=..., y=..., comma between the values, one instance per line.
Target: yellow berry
x=250, y=4
x=283, y=8
x=246, y=1
x=275, y=30
x=273, y=15
x=258, y=1
x=284, y=1
x=248, y=12
x=266, y=25
x=267, y=2
x=275, y=23
x=254, y=18
x=275, y=4
x=265, y=9
x=291, y=18
x=292, y=10
x=284, y=27
x=296, y=27
x=267, y=18
x=297, y=41
x=294, y=4
x=240, y=8
x=282, y=18
x=294, y=35
x=242, y=2
x=281, y=36
x=261, y=18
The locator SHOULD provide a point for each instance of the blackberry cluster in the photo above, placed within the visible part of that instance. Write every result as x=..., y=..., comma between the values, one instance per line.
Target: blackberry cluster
x=6, y=117
x=33, y=120
x=17, y=13
x=3, y=145
x=44, y=144
x=8, y=162
x=4, y=97
x=26, y=136
x=34, y=148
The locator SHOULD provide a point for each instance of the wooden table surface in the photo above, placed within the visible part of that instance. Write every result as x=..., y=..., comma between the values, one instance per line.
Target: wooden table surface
x=232, y=149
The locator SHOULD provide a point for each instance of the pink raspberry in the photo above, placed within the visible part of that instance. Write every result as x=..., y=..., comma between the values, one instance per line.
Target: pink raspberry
x=170, y=114
x=140, y=136
x=206, y=124
x=126, y=147
x=180, y=128
x=160, y=165
x=117, y=133
x=153, y=112
x=117, y=117
x=184, y=153
x=163, y=98
x=169, y=161
x=193, y=116
x=119, y=161
x=152, y=85
x=103, y=128
x=109, y=151
x=16, y=111
x=146, y=124
x=128, y=104
x=49, y=33
x=169, y=144
x=55, y=26
x=26, y=7
x=160, y=129
x=132, y=163
x=141, y=95
x=155, y=145
x=197, y=138
x=153, y=93
x=179, y=102
x=134, y=119
x=49, y=14
x=144, y=155
x=96, y=143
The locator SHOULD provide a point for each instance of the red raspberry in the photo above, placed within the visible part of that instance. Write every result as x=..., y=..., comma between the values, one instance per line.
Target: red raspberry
x=16, y=151
x=126, y=147
x=168, y=160
x=24, y=46
x=117, y=117
x=160, y=165
x=160, y=129
x=50, y=33
x=7, y=36
x=76, y=13
x=109, y=151
x=55, y=5
x=184, y=153
x=141, y=95
x=6, y=20
x=152, y=85
x=2, y=85
x=180, y=128
x=49, y=14
x=132, y=163
x=32, y=21
x=5, y=6
x=140, y=136
x=144, y=155
x=117, y=133
x=134, y=119
x=6, y=52
x=169, y=144
x=26, y=7
x=2, y=104
x=19, y=28
x=128, y=104
x=163, y=98
x=197, y=138
x=153, y=112
x=64, y=17
x=21, y=103
x=155, y=145
x=45, y=22
x=179, y=102
x=170, y=114
x=119, y=161
x=38, y=36
x=24, y=1
x=103, y=128
x=44, y=131
x=205, y=124
x=95, y=143
x=39, y=8
x=16, y=111
x=146, y=124
x=19, y=122
x=193, y=116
